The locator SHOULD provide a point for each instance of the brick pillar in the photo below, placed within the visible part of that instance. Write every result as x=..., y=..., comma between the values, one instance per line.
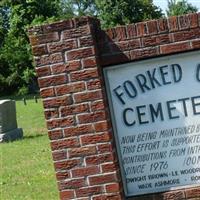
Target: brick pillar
x=77, y=117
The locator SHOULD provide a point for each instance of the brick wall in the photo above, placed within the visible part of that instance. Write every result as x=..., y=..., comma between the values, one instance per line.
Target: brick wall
x=69, y=57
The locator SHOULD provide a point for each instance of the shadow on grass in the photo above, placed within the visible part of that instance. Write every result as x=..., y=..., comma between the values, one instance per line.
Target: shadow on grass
x=33, y=136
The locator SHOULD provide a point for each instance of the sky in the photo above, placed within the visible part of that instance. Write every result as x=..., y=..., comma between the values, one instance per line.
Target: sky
x=163, y=3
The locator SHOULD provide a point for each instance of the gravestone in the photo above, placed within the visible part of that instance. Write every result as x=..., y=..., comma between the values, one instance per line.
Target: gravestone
x=8, y=122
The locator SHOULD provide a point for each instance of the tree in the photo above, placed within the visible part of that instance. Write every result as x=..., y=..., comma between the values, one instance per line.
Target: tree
x=120, y=12
x=180, y=7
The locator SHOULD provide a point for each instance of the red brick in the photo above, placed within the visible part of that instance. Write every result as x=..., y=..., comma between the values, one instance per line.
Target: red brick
x=98, y=105
x=89, y=62
x=141, y=29
x=92, y=117
x=85, y=171
x=102, y=126
x=193, y=17
x=196, y=44
x=84, y=75
x=43, y=39
x=59, y=155
x=57, y=102
x=105, y=148
x=125, y=46
x=86, y=41
x=192, y=193
x=186, y=35
x=120, y=33
x=66, y=195
x=96, y=160
x=173, y=24
x=60, y=123
x=70, y=88
x=73, y=66
x=79, y=130
x=71, y=184
x=39, y=50
x=82, y=151
x=112, y=188
x=58, y=26
x=47, y=92
x=156, y=40
x=50, y=114
x=111, y=167
x=67, y=165
x=49, y=59
x=74, y=109
x=152, y=27
x=59, y=68
x=131, y=31
x=175, y=195
x=62, y=175
x=94, y=84
x=76, y=33
x=80, y=53
x=111, y=34
x=175, y=47
x=109, y=197
x=162, y=25
x=64, y=144
x=52, y=81
x=43, y=71
x=144, y=53
x=55, y=134
x=95, y=138
x=184, y=22
x=88, y=96
x=62, y=46
x=102, y=179
x=89, y=191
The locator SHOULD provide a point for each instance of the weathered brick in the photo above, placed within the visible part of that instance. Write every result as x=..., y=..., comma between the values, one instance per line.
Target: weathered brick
x=55, y=134
x=173, y=24
x=92, y=117
x=156, y=40
x=112, y=188
x=43, y=39
x=57, y=102
x=152, y=27
x=39, y=50
x=105, y=148
x=78, y=130
x=89, y=62
x=62, y=175
x=74, y=109
x=64, y=144
x=184, y=22
x=85, y=171
x=52, y=81
x=86, y=41
x=196, y=44
x=95, y=138
x=66, y=195
x=67, y=165
x=175, y=47
x=175, y=195
x=62, y=46
x=102, y=179
x=80, y=53
x=192, y=193
x=49, y=59
x=131, y=31
x=193, y=17
x=50, y=114
x=71, y=184
x=82, y=151
x=120, y=33
x=89, y=191
x=87, y=96
x=94, y=84
x=141, y=29
x=84, y=75
x=98, y=159
x=109, y=167
x=98, y=105
x=60, y=123
x=47, y=92
x=162, y=25
x=102, y=126
x=70, y=88
x=59, y=68
x=59, y=155
x=109, y=197
x=43, y=71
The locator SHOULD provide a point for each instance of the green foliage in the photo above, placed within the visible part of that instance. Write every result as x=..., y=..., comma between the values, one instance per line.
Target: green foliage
x=120, y=12
x=182, y=7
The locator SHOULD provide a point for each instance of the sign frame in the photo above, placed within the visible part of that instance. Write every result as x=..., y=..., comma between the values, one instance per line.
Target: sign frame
x=113, y=118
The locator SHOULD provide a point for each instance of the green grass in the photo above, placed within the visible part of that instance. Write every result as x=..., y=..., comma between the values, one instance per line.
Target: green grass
x=26, y=167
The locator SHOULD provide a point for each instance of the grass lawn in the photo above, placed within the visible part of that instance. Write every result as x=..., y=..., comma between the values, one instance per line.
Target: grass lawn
x=26, y=167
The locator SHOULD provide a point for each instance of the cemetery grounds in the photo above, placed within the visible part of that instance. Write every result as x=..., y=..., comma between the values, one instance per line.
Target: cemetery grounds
x=26, y=167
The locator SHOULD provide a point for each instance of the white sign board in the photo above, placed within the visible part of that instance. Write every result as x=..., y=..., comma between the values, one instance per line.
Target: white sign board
x=155, y=107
